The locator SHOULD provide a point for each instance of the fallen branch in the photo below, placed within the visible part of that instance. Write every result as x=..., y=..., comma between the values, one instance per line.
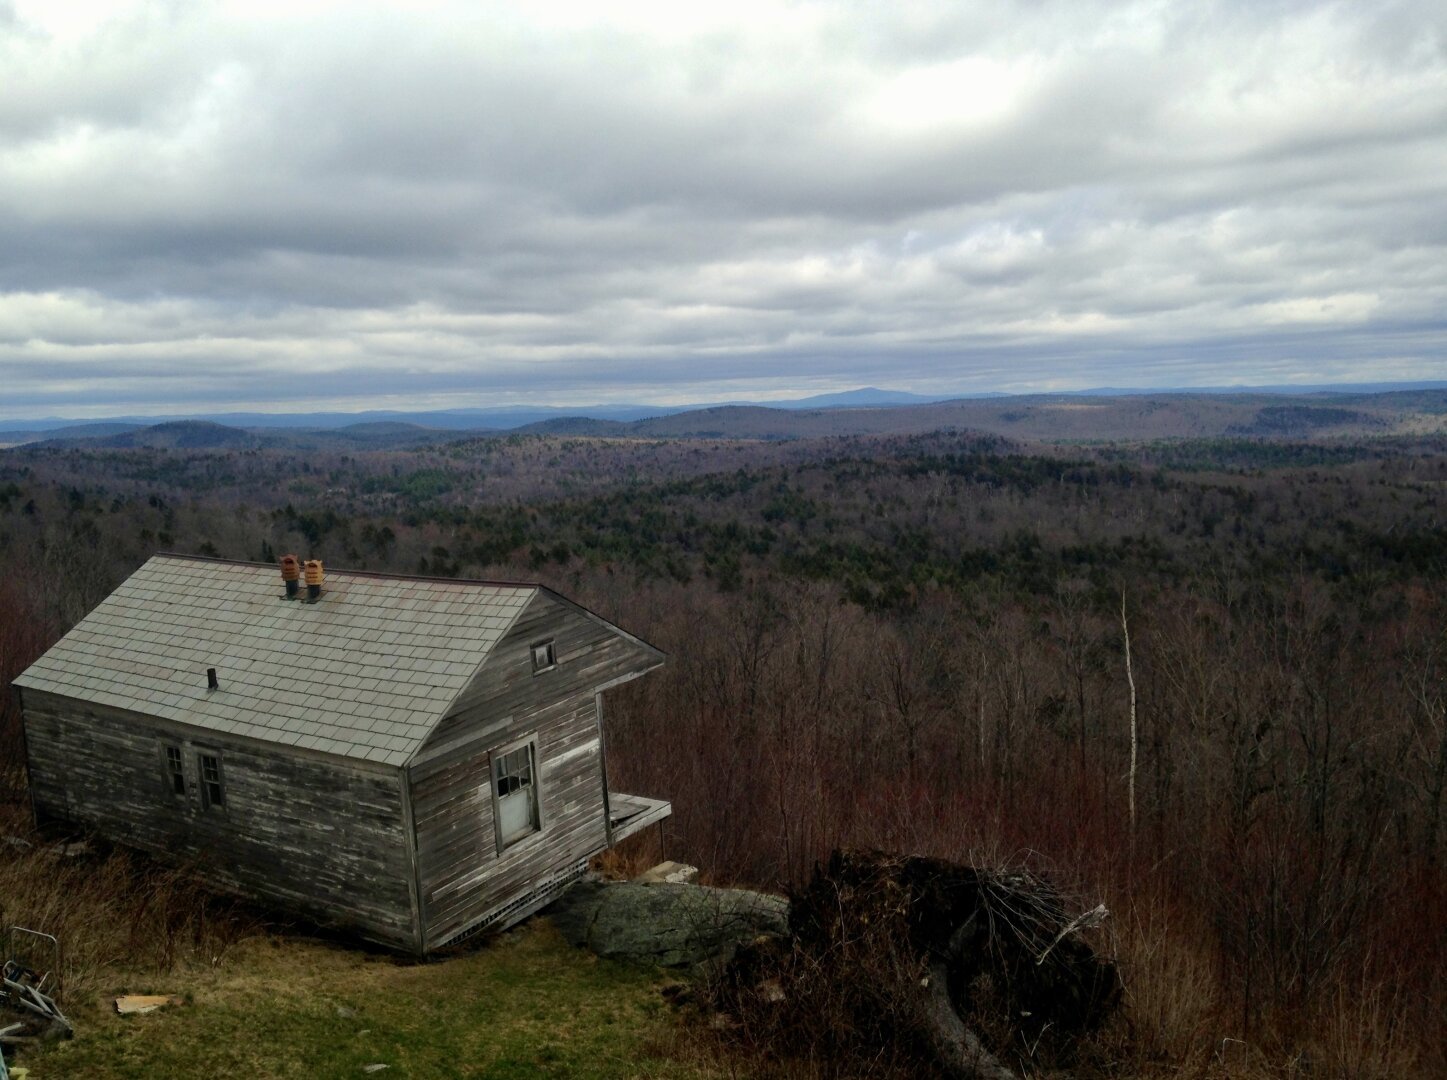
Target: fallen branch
x=960, y=1048
x=1092, y=918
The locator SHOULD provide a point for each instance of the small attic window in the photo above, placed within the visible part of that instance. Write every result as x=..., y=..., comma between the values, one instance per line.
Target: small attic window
x=545, y=656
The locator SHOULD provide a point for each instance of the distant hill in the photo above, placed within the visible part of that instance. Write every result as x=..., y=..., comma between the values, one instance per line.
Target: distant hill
x=519, y=417
x=206, y=435
x=1297, y=419
x=1046, y=417
x=1049, y=418
x=575, y=425
x=865, y=397
x=478, y=420
x=717, y=422
x=382, y=427
x=177, y=435
x=758, y=422
x=376, y=434
x=74, y=431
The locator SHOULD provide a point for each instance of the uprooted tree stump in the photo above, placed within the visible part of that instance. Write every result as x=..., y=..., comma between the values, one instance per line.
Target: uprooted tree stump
x=913, y=962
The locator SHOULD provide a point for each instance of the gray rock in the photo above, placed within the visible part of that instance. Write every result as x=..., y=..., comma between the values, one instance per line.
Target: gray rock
x=664, y=924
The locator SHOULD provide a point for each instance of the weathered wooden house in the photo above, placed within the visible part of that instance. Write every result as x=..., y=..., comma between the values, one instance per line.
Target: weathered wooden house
x=413, y=758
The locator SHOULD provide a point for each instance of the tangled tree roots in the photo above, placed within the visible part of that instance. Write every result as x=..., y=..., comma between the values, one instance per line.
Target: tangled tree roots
x=904, y=962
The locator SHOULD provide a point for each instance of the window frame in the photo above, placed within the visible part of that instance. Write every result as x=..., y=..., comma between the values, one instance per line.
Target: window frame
x=173, y=769
x=495, y=759
x=203, y=785
x=551, y=645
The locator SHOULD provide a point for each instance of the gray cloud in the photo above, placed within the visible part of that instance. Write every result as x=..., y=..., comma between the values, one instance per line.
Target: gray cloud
x=362, y=205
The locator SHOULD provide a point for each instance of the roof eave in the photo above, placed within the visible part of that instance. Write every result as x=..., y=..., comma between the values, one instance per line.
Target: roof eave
x=657, y=653
x=201, y=733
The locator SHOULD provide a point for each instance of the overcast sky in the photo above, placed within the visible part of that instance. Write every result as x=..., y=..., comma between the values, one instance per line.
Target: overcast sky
x=288, y=205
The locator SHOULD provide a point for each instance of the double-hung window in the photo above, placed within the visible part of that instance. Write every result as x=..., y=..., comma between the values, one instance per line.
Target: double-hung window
x=213, y=789
x=175, y=771
x=515, y=792
x=207, y=782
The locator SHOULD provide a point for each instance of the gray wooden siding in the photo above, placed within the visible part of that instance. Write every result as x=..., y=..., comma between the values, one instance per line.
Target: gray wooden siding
x=462, y=878
x=324, y=838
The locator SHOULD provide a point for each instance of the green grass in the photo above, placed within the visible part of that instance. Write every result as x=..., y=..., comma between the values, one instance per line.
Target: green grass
x=525, y=1005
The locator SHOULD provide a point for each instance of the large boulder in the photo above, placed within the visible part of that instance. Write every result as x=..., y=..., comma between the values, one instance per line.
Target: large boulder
x=664, y=924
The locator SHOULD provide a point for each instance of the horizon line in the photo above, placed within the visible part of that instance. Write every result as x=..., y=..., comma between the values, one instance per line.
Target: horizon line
x=209, y=413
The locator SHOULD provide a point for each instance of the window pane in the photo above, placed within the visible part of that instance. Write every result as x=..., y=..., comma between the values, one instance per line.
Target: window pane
x=211, y=781
x=515, y=800
x=515, y=816
x=176, y=773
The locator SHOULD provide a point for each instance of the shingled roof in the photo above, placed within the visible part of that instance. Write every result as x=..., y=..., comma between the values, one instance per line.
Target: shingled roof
x=365, y=673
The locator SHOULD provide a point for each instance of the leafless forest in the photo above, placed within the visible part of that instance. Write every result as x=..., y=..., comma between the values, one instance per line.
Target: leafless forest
x=919, y=643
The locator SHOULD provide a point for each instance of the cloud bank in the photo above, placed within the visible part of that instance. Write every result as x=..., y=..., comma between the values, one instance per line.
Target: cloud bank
x=300, y=205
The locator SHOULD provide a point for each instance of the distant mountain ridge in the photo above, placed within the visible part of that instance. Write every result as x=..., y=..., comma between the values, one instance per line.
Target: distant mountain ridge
x=207, y=435
x=1051, y=418
x=1081, y=414
x=505, y=417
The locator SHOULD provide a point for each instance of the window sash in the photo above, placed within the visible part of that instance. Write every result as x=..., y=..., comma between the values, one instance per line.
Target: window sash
x=175, y=771
x=514, y=793
x=213, y=788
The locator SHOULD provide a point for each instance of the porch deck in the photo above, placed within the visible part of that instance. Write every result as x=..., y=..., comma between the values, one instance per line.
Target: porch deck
x=629, y=814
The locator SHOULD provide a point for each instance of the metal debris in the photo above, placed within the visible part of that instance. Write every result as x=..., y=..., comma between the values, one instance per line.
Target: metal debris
x=35, y=1014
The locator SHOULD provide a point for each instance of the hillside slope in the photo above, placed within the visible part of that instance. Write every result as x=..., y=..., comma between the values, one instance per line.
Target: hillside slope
x=526, y=1005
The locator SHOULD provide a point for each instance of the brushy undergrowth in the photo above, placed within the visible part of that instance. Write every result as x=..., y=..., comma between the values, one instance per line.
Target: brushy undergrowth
x=854, y=1005
x=112, y=909
x=128, y=924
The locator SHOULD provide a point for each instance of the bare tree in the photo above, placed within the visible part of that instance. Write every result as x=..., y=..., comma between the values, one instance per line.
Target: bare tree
x=1130, y=678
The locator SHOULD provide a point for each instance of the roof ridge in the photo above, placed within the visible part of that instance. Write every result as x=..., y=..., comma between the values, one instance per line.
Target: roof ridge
x=352, y=573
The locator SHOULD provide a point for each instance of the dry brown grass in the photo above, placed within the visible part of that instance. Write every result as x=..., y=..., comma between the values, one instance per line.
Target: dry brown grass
x=1364, y=1036
x=112, y=909
x=630, y=858
x=1178, y=1020
x=1172, y=1001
